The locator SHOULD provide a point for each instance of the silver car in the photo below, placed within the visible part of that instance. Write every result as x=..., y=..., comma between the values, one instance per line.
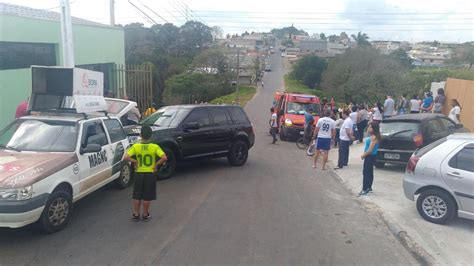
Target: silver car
x=442, y=174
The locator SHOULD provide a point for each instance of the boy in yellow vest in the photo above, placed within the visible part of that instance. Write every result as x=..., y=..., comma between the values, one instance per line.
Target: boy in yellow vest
x=146, y=156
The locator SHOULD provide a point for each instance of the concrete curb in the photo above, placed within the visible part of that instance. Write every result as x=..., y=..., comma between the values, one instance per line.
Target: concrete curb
x=418, y=252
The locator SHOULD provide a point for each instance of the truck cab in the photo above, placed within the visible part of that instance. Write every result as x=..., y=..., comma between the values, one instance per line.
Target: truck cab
x=290, y=108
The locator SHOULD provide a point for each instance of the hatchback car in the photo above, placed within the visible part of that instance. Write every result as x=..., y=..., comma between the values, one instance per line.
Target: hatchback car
x=403, y=134
x=442, y=174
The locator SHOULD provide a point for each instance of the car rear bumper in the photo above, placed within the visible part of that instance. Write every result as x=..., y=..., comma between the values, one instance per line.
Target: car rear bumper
x=404, y=156
x=410, y=186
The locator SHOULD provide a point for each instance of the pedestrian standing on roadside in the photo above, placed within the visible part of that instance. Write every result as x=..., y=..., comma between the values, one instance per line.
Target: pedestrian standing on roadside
x=148, y=156
x=308, y=125
x=388, y=107
x=325, y=130
x=273, y=124
x=333, y=104
x=455, y=113
x=346, y=136
x=339, y=122
x=362, y=122
x=354, y=115
x=427, y=104
x=263, y=83
x=439, y=101
x=370, y=154
x=402, y=104
x=414, y=105
x=377, y=113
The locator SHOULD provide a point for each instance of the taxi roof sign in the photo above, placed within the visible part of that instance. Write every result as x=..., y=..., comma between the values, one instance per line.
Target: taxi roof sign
x=57, y=87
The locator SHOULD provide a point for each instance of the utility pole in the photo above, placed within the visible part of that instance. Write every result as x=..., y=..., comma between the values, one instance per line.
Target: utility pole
x=238, y=70
x=112, y=13
x=66, y=34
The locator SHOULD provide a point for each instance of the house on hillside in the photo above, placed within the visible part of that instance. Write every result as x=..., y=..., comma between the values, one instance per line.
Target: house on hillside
x=429, y=60
x=33, y=37
x=313, y=45
x=336, y=48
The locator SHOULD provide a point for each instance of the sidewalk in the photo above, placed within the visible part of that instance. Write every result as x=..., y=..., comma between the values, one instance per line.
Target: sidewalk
x=451, y=244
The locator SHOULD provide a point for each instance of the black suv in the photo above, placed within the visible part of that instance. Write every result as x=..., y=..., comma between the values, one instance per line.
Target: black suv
x=403, y=134
x=196, y=131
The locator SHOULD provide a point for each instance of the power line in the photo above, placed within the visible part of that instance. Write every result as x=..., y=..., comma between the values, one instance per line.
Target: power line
x=335, y=13
x=192, y=12
x=153, y=11
x=142, y=13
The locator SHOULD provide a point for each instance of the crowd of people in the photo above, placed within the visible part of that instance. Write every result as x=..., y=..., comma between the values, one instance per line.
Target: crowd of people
x=348, y=125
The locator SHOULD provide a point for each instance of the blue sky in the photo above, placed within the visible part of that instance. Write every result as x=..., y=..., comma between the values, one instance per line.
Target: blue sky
x=410, y=20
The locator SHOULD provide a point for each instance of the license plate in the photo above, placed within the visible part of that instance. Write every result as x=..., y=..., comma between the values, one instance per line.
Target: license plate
x=133, y=139
x=392, y=156
x=301, y=133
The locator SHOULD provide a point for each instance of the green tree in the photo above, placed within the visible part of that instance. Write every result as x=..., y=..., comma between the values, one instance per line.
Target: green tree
x=322, y=36
x=463, y=54
x=364, y=75
x=212, y=59
x=194, y=37
x=401, y=56
x=362, y=39
x=287, y=43
x=309, y=69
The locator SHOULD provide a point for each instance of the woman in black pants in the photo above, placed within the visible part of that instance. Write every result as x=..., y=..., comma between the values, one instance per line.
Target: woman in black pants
x=369, y=156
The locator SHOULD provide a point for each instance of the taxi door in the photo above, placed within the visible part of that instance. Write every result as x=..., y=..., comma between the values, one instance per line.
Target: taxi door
x=95, y=164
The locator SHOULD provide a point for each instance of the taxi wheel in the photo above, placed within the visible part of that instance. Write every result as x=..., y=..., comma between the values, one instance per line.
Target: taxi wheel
x=125, y=178
x=57, y=212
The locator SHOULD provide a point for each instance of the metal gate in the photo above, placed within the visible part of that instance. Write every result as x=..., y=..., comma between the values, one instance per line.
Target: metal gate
x=133, y=82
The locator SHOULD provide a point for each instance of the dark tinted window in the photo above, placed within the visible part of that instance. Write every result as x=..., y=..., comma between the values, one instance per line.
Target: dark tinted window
x=463, y=160
x=448, y=124
x=115, y=130
x=434, y=126
x=399, y=128
x=200, y=115
x=219, y=116
x=238, y=115
x=14, y=55
x=94, y=134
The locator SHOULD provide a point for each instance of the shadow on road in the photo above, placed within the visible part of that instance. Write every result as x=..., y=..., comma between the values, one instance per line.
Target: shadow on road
x=90, y=208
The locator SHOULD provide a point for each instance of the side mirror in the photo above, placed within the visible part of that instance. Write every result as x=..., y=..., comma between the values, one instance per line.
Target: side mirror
x=191, y=126
x=91, y=148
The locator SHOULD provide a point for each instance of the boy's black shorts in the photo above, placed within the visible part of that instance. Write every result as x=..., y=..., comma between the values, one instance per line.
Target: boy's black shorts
x=144, y=187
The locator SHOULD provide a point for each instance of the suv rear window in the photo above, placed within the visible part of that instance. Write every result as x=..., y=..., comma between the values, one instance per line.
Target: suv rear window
x=429, y=147
x=399, y=128
x=238, y=115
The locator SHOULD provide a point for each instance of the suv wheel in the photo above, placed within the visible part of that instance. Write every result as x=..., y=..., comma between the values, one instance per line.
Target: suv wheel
x=282, y=136
x=436, y=206
x=238, y=154
x=57, y=212
x=167, y=169
x=123, y=181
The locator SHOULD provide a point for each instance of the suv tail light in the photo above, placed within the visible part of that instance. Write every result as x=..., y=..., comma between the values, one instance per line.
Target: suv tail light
x=412, y=164
x=418, y=139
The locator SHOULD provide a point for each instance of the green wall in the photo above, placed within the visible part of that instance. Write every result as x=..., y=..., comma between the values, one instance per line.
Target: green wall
x=92, y=45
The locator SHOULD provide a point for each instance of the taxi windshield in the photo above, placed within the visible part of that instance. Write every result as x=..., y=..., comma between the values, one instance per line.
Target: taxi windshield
x=39, y=135
x=301, y=108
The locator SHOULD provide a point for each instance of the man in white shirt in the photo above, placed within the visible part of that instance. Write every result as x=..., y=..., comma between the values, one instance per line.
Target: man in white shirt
x=455, y=113
x=325, y=130
x=345, y=137
x=388, y=107
x=273, y=124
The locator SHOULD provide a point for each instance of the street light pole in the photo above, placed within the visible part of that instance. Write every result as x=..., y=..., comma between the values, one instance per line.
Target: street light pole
x=238, y=69
x=112, y=12
x=66, y=34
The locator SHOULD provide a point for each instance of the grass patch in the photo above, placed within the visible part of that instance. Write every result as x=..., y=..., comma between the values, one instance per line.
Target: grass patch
x=292, y=85
x=245, y=94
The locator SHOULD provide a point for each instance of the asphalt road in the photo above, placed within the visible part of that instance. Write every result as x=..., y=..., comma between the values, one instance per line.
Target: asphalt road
x=275, y=210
